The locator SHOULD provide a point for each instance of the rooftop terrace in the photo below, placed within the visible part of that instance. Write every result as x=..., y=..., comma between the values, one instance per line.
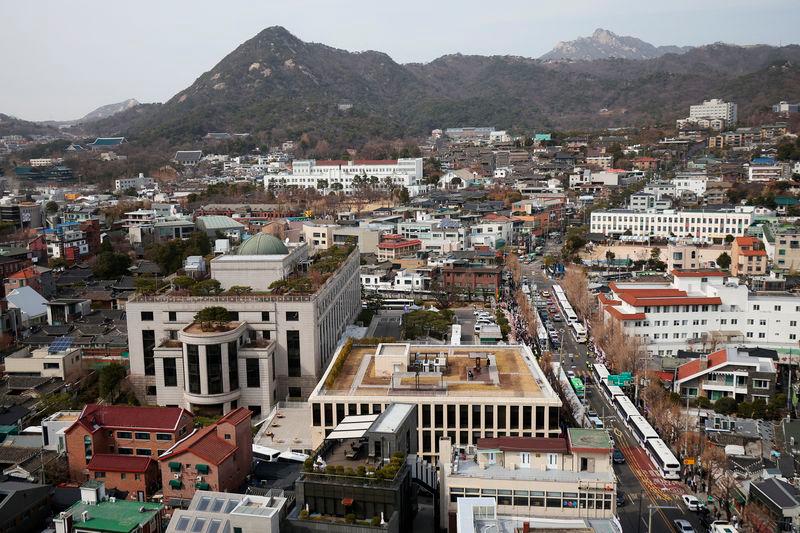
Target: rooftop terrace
x=397, y=369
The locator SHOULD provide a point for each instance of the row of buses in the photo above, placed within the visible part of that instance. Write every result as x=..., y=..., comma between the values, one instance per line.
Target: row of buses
x=660, y=454
x=578, y=329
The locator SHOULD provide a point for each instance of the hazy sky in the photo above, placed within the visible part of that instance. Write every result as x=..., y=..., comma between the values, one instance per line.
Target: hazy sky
x=61, y=59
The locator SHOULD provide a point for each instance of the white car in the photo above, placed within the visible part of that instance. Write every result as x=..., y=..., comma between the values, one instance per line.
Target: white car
x=683, y=526
x=570, y=373
x=692, y=503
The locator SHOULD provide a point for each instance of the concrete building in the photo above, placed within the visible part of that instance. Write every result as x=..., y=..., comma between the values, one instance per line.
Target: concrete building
x=553, y=478
x=216, y=512
x=278, y=342
x=54, y=428
x=394, y=247
x=767, y=169
x=748, y=257
x=715, y=109
x=685, y=255
x=727, y=373
x=463, y=392
x=786, y=108
x=345, y=175
x=703, y=309
x=97, y=513
x=139, y=182
x=438, y=236
x=217, y=457
x=702, y=224
x=52, y=362
x=787, y=249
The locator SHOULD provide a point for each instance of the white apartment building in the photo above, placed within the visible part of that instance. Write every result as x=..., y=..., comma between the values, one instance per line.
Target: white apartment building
x=767, y=172
x=405, y=280
x=714, y=108
x=339, y=174
x=491, y=230
x=442, y=236
x=693, y=184
x=701, y=224
x=466, y=392
x=275, y=346
x=139, y=182
x=703, y=309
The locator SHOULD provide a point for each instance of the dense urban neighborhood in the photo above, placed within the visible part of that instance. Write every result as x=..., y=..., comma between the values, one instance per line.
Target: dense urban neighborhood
x=485, y=327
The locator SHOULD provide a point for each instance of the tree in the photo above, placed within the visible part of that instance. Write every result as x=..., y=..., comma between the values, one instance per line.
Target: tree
x=57, y=262
x=240, y=289
x=725, y=405
x=455, y=182
x=724, y=261
x=208, y=287
x=183, y=282
x=51, y=207
x=729, y=238
x=403, y=196
x=655, y=254
x=212, y=318
x=322, y=184
x=111, y=265
x=576, y=288
x=111, y=376
x=422, y=323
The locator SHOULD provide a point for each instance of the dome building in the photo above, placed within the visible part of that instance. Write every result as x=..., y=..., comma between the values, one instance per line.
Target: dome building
x=258, y=262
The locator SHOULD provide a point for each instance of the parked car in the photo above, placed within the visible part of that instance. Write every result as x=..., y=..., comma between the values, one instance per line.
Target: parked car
x=618, y=457
x=683, y=526
x=621, y=500
x=570, y=373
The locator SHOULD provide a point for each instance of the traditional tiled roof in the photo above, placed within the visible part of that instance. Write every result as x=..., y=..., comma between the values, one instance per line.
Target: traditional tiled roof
x=109, y=462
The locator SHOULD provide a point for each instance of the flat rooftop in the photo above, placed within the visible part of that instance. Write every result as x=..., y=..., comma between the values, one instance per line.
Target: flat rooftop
x=404, y=369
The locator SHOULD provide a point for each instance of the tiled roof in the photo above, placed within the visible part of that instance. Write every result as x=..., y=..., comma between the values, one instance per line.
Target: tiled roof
x=753, y=253
x=619, y=315
x=693, y=367
x=747, y=241
x=29, y=272
x=688, y=300
x=236, y=416
x=94, y=417
x=204, y=443
x=109, y=462
x=524, y=444
x=607, y=301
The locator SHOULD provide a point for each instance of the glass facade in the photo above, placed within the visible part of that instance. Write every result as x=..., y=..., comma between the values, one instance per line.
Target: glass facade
x=193, y=368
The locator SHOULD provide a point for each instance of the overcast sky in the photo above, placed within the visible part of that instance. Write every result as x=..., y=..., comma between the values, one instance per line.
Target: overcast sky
x=61, y=59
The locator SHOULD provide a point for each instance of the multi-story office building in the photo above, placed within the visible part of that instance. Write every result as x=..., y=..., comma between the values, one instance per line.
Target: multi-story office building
x=714, y=108
x=701, y=224
x=462, y=392
x=139, y=182
x=276, y=345
x=701, y=309
x=787, y=248
x=552, y=478
x=345, y=175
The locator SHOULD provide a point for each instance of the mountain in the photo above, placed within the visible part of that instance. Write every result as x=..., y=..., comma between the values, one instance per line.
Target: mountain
x=98, y=114
x=276, y=87
x=14, y=126
x=603, y=44
x=109, y=110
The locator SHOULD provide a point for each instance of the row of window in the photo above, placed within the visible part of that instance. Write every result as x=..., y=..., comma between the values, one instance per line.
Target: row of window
x=141, y=435
x=172, y=316
x=534, y=498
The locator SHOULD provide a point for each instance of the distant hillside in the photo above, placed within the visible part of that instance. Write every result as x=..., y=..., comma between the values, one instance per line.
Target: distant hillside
x=101, y=112
x=603, y=44
x=13, y=126
x=277, y=86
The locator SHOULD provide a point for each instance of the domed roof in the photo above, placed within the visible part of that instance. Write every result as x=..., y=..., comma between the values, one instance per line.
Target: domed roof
x=263, y=244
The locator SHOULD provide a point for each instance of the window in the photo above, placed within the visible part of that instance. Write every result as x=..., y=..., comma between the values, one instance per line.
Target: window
x=125, y=451
x=253, y=372
x=163, y=436
x=172, y=316
x=777, y=307
x=87, y=447
x=762, y=322
x=147, y=316
x=170, y=372
x=148, y=345
x=265, y=316
x=756, y=307
x=233, y=315
x=233, y=365
x=143, y=451
x=552, y=461
x=142, y=436
x=762, y=335
x=760, y=384
x=124, y=435
x=292, y=316
x=193, y=365
x=793, y=323
x=293, y=352
x=214, y=368
x=297, y=392
x=99, y=475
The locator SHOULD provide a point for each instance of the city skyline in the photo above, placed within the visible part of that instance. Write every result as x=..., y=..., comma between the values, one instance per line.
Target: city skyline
x=77, y=60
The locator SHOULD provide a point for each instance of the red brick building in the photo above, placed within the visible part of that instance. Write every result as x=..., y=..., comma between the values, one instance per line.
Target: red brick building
x=217, y=457
x=396, y=246
x=475, y=278
x=124, y=431
x=136, y=475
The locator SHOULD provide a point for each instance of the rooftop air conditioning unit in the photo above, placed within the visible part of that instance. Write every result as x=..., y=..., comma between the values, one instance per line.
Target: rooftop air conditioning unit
x=177, y=476
x=199, y=478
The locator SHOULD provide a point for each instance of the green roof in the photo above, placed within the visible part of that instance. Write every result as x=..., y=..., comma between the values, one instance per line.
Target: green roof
x=589, y=438
x=115, y=517
x=212, y=222
x=263, y=244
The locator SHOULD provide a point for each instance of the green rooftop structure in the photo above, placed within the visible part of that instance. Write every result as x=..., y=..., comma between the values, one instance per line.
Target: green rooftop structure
x=588, y=439
x=105, y=515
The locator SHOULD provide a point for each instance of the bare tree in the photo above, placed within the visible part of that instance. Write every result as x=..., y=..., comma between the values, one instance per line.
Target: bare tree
x=756, y=519
x=576, y=288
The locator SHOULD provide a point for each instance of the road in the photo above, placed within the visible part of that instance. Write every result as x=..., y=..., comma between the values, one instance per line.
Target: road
x=637, y=477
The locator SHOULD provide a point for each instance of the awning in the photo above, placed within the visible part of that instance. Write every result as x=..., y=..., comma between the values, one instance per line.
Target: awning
x=203, y=469
x=175, y=466
x=202, y=486
x=175, y=483
x=347, y=502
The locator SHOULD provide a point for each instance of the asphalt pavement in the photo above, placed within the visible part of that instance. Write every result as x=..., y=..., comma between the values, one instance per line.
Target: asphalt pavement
x=637, y=478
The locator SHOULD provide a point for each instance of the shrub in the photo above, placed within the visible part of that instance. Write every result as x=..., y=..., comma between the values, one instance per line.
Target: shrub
x=725, y=406
x=308, y=465
x=745, y=410
x=350, y=518
x=303, y=514
x=338, y=363
x=375, y=521
x=361, y=471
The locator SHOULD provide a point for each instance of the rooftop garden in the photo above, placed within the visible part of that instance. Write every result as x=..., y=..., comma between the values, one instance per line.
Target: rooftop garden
x=366, y=473
x=324, y=264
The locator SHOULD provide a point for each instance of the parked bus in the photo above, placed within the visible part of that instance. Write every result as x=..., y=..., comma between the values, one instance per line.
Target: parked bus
x=580, y=332
x=663, y=458
x=600, y=373
x=625, y=407
x=397, y=303
x=577, y=386
x=641, y=429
